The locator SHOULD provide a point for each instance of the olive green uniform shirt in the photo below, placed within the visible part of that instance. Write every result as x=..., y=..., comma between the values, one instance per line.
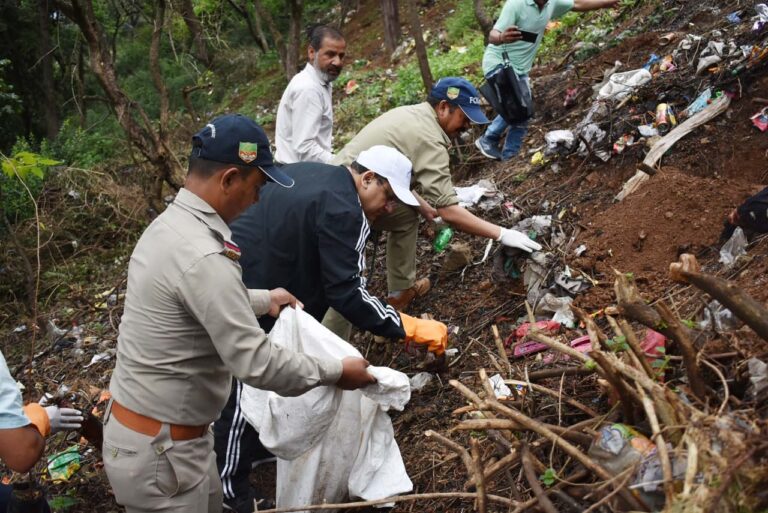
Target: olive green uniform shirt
x=414, y=131
x=189, y=324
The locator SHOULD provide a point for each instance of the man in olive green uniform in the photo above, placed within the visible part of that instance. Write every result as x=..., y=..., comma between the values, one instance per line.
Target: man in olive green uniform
x=189, y=325
x=423, y=133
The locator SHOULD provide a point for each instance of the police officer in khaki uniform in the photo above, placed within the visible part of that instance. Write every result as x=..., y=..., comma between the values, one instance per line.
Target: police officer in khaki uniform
x=190, y=324
x=423, y=133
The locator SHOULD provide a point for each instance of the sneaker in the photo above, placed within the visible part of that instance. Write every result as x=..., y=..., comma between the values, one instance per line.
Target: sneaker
x=487, y=149
x=404, y=297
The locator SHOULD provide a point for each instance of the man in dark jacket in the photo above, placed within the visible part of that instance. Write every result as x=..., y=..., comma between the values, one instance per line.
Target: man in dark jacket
x=312, y=243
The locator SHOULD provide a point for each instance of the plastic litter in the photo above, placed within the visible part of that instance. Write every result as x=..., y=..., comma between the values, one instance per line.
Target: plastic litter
x=580, y=250
x=443, y=237
x=647, y=130
x=734, y=17
x=653, y=59
x=760, y=120
x=758, y=376
x=63, y=465
x=733, y=248
x=331, y=444
x=716, y=316
x=593, y=134
x=541, y=226
x=621, y=85
x=622, y=143
x=98, y=358
x=698, y=104
x=559, y=306
x=351, y=86
x=538, y=159
x=500, y=389
x=558, y=140
x=618, y=447
x=761, y=19
x=570, y=284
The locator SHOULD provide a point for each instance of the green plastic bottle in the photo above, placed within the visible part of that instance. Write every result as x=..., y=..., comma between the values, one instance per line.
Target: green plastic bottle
x=444, y=236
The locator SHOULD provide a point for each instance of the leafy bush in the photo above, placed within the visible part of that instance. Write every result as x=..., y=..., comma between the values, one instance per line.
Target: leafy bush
x=86, y=148
x=22, y=175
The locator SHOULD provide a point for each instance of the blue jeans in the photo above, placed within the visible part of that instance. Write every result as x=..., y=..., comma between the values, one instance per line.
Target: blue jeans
x=516, y=131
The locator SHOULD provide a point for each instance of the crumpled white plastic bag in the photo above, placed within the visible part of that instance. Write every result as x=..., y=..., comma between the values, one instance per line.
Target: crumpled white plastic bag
x=621, y=85
x=331, y=444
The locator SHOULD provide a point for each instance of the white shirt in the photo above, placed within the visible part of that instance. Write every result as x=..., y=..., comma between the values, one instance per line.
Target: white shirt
x=305, y=120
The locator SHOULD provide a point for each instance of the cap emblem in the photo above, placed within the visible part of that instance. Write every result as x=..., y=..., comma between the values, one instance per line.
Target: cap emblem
x=248, y=151
x=452, y=93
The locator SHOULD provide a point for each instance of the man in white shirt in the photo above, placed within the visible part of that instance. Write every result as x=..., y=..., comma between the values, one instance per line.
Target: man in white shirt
x=305, y=115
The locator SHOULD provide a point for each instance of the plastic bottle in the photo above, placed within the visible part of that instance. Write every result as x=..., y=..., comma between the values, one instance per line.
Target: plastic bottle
x=444, y=236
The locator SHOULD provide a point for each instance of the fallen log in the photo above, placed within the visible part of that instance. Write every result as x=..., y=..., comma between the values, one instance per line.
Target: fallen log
x=648, y=166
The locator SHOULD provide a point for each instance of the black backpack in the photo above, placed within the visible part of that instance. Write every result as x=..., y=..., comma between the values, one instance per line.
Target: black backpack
x=508, y=94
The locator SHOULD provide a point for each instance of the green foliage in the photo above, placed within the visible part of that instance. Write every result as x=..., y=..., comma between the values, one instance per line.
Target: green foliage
x=590, y=365
x=86, y=148
x=549, y=477
x=23, y=170
x=617, y=344
x=689, y=323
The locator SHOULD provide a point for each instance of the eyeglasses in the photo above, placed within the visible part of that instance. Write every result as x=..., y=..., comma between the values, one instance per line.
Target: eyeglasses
x=392, y=198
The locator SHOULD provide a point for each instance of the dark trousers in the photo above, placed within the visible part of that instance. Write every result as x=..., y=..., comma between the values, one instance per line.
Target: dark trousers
x=5, y=499
x=237, y=446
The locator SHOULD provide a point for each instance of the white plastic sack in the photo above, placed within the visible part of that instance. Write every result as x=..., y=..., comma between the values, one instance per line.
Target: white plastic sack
x=331, y=444
x=620, y=85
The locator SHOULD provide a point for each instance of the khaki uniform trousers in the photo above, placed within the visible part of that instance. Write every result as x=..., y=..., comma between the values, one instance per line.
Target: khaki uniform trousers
x=160, y=474
x=402, y=227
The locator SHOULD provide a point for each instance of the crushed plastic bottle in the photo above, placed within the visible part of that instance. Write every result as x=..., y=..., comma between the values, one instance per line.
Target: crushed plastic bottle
x=444, y=236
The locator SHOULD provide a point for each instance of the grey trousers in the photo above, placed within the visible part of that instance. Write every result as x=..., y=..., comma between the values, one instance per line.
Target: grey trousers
x=160, y=474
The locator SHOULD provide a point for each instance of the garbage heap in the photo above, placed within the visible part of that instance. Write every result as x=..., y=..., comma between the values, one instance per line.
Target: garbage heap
x=647, y=419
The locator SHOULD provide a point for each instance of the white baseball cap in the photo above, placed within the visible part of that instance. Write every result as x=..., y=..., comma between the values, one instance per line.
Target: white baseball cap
x=394, y=166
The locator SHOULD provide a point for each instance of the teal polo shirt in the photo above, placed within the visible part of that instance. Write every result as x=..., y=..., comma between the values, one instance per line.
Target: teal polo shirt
x=526, y=15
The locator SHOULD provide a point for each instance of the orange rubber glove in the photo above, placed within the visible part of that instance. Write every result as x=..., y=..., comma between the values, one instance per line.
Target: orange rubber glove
x=422, y=331
x=39, y=418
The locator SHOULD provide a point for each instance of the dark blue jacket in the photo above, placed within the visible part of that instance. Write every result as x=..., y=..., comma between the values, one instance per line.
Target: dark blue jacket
x=310, y=240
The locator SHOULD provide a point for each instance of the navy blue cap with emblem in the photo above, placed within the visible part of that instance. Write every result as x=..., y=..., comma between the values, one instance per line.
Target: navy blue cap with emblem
x=460, y=92
x=237, y=139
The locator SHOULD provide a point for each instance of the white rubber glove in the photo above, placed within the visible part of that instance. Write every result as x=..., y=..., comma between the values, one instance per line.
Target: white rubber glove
x=64, y=418
x=516, y=239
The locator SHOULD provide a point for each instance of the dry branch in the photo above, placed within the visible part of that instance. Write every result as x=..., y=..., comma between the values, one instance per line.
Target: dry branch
x=729, y=294
x=533, y=481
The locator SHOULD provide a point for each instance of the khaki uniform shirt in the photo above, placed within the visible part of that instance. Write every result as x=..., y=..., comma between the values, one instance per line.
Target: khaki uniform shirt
x=415, y=132
x=189, y=323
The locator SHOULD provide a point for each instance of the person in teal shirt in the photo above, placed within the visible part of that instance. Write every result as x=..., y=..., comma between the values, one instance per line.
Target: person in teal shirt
x=517, y=17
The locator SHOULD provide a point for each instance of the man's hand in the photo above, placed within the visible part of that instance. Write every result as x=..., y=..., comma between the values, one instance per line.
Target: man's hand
x=511, y=34
x=353, y=374
x=516, y=239
x=434, y=334
x=64, y=419
x=279, y=298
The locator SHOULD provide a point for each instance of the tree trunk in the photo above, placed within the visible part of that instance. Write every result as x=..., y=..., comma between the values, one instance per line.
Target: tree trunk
x=421, y=49
x=486, y=23
x=253, y=23
x=79, y=76
x=131, y=116
x=277, y=35
x=296, y=8
x=196, y=30
x=46, y=62
x=391, y=24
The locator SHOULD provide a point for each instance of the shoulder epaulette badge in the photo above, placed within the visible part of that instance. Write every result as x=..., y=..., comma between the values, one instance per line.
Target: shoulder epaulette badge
x=231, y=251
